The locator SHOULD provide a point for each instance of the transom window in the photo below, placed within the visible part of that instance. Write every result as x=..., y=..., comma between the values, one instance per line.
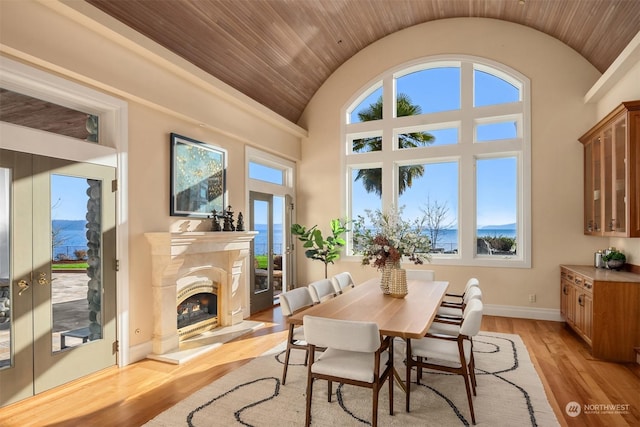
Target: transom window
x=447, y=139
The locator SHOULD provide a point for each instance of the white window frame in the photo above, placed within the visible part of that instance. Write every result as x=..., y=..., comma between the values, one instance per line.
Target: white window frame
x=466, y=152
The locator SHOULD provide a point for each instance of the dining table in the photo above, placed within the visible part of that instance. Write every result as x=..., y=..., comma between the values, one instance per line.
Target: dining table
x=408, y=318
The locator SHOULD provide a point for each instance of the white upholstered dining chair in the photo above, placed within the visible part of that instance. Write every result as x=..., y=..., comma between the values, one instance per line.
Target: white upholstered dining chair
x=290, y=303
x=342, y=282
x=455, y=309
x=449, y=353
x=355, y=354
x=457, y=298
x=321, y=290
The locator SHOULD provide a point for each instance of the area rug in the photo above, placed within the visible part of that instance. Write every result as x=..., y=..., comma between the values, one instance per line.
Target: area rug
x=509, y=393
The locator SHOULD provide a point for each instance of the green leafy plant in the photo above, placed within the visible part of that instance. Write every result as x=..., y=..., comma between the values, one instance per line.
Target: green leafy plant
x=500, y=243
x=615, y=259
x=614, y=256
x=317, y=247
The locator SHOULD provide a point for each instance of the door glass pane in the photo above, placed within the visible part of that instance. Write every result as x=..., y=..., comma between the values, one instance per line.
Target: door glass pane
x=608, y=181
x=76, y=284
x=36, y=113
x=266, y=173
x=277, y=247
x=5, y=289
x=261, y=252
x=597, y=185
x=620, y=218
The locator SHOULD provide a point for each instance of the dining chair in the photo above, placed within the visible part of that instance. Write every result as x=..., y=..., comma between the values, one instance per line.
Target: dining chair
x=455, y=309
x=291, y=302
x=448, y=353
x=342, y=282
x=427, y=275
x=458, y=297
x=355, y=354
x=321, y=290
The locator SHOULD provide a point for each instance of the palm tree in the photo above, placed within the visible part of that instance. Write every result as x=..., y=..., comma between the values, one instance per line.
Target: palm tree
x=372, y=178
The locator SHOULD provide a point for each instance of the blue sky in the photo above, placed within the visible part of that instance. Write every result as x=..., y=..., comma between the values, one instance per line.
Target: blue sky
x=68, y=197
x=435, y=90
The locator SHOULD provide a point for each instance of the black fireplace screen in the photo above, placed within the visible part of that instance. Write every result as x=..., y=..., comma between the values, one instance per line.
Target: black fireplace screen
x=197, y=308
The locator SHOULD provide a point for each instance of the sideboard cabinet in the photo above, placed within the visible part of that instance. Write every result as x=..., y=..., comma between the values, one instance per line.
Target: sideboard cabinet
x=612, y=174
x=603, y=308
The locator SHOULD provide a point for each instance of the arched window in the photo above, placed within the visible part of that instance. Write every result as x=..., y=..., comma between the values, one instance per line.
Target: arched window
x=446, y=138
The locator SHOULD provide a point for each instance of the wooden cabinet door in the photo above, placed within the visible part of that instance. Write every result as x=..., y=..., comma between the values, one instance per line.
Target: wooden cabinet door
x=587, y=316
x=572, y=304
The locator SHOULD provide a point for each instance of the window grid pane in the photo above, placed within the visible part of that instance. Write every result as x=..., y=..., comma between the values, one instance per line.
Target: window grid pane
x=496, y=209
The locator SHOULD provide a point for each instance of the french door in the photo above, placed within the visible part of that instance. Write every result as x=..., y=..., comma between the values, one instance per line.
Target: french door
x=60, y=324
x=263, y=273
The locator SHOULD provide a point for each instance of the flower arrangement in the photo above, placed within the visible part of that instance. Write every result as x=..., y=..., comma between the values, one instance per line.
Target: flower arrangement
x=387, y=237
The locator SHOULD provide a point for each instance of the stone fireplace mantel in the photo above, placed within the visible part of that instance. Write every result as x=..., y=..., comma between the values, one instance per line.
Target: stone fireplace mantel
x=178, y=259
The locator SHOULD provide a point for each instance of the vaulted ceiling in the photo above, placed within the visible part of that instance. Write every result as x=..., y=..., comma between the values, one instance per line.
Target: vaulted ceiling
x=279, y=52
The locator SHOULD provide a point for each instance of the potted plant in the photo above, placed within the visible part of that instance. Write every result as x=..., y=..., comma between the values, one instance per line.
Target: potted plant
x=614, y=259
x=317, y=247
x=384, y=238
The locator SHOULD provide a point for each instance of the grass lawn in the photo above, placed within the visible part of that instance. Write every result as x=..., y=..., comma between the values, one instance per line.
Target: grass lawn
x=80, y=265
x=262, y=261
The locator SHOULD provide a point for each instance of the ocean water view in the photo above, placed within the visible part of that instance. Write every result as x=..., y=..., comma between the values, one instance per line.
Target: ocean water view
x=72, y=237
x=447, y=239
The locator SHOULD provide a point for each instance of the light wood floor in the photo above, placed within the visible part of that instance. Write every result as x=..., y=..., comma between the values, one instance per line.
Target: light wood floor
x=133, y=395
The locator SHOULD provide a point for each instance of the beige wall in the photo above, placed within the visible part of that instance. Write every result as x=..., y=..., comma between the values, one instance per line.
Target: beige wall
x=559, y=80
x=164, y=95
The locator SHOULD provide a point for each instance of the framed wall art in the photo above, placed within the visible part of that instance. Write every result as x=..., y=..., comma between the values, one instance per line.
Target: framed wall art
x=197, y=177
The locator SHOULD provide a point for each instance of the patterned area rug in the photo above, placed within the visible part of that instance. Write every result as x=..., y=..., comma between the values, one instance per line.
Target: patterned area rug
x=509, y=393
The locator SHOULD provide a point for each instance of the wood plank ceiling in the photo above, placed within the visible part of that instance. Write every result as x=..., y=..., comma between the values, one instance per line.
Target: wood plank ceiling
x=279, y=52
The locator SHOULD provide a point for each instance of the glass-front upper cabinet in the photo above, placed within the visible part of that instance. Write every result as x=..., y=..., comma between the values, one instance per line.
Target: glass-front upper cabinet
x=612, y=174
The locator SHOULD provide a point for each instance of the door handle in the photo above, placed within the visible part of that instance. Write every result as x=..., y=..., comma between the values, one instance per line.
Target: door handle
x=42, y=280
x=23, y=285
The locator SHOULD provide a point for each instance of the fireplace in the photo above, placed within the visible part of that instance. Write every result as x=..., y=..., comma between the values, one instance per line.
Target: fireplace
x=197, y=312
x=198, y=282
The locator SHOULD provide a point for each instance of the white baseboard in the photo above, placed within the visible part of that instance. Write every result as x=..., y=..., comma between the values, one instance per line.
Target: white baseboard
x=523, y=312
x=140, y=351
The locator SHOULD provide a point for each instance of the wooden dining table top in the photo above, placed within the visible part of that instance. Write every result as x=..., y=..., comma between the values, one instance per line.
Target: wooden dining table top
x=408, y=317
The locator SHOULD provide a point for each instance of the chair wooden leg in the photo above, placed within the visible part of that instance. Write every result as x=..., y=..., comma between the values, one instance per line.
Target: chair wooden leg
x=286, y=365
x=374, y=412
x=309, y=392
x=472, y=373
x=329, y=390
x=390, y=377
x=467, y=385
x=409, y=363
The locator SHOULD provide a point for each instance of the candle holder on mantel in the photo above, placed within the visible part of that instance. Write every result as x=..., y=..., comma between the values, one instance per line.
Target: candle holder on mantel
x=227, y=217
